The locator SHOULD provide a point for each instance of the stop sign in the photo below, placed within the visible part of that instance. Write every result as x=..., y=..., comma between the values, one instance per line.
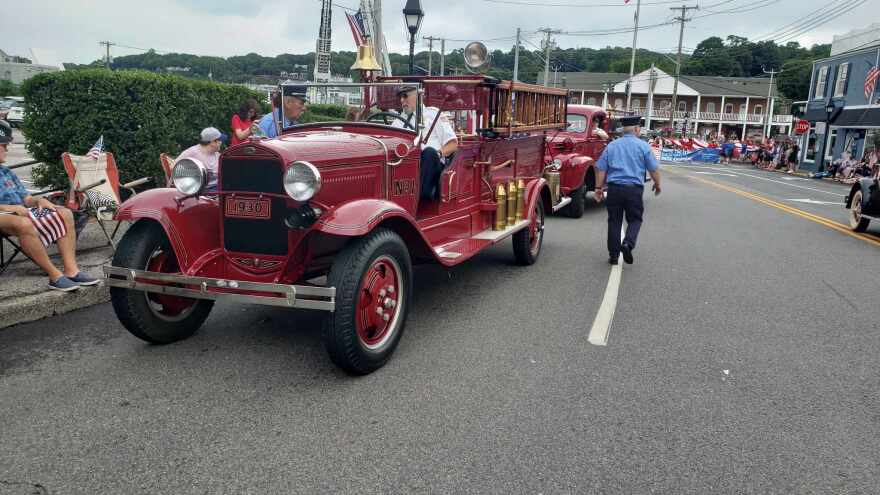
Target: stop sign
x=802, y=126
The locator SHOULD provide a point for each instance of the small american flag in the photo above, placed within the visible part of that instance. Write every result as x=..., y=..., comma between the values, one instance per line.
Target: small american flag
x=871, y=82
x=49, y=225
x=356, y=23
x=97, y=149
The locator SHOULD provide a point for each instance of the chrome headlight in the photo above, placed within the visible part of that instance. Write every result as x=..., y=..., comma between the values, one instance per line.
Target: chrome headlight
x=302, y=181
x=557, y=164
x=189, y=176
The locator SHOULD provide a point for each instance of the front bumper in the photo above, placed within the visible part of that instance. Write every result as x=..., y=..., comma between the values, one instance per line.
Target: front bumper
x=288, y=296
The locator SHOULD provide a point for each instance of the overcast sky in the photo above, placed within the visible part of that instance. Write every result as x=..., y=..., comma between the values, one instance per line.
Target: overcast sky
x=72, y=28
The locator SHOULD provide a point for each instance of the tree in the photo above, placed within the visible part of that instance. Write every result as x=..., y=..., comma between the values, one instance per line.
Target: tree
x=8, y=88
x=794, y=81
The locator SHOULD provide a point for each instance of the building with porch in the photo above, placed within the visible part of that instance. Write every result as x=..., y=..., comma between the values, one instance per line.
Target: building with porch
x=843, y=106
x=707, y=106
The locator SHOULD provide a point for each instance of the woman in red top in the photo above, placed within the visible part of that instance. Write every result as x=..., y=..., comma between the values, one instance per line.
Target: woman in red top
x=243, y=122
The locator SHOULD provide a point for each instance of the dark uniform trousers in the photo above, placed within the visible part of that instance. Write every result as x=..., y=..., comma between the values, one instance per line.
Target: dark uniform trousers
x=429, y=173
x=623, y=200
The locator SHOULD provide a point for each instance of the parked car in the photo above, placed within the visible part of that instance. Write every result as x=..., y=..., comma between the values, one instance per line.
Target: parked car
x=5, y=105
x=863, y=202
x=574, y=151
x=15, y=114
x=328, y=216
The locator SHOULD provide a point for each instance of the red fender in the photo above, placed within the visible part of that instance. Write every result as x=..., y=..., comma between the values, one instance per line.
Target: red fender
x=538, y=190
x=360, y=216
x=574, y=172
x=192, y=225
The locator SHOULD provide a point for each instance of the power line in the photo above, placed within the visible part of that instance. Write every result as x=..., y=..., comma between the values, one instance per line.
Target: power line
x=812, y=20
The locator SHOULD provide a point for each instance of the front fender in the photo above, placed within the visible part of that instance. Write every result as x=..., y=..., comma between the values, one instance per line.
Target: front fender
x=192, y=225
x=360, y=216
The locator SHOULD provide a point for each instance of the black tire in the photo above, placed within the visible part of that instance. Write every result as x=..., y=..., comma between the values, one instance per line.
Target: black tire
x=857, y=221
x=575, y=209
x=346, y=330
x=137, y=310
x=525, y=250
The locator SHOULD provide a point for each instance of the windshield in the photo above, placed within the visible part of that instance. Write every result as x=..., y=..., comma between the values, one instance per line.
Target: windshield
x=396, y=105
x=576, y=123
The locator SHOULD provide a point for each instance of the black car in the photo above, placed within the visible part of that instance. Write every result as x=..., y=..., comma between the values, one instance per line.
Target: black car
x=863, y=202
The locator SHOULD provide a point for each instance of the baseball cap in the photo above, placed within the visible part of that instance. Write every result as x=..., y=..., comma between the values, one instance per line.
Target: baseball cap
x=210, y=134
x=5, y=132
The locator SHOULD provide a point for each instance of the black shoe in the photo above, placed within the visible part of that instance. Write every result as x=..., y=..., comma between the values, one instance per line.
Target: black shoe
x=627, y=253
x=612, y=260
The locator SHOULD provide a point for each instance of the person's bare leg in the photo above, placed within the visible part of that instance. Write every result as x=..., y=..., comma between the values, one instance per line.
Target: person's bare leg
x=30, y=243
x=67, y=244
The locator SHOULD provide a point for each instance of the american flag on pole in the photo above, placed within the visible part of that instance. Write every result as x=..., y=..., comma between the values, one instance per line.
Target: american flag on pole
x=96, y=150
x=49, y=225
x=871, y=82
x=356, y=23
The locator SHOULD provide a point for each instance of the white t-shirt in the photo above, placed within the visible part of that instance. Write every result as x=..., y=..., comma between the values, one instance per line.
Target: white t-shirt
x=442, y=133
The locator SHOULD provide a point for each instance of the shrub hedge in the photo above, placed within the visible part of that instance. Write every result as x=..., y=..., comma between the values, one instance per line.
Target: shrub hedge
x=140, y=115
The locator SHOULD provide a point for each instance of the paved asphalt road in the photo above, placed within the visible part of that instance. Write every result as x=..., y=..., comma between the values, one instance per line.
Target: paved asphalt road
x=742, y=359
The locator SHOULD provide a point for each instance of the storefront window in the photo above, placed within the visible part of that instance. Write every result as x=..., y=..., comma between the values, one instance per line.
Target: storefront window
x=829, y=148
x=872, y=139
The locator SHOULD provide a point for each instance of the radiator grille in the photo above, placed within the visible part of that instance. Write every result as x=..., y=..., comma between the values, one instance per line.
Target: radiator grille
x=245, y=235
x=260, y=175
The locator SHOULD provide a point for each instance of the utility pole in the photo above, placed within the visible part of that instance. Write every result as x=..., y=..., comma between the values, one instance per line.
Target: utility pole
x=632, y=60
x=430, y=51
x=770, y=100
x=547, y=45
x=107, y=44
x=442, y=57
x=650, y=104
x=683, y=18
x=607, y=87
x=516, y=57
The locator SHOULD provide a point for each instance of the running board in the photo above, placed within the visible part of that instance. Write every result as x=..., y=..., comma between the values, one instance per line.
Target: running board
x=561, y=204
x=462, y=249
x=494, y=236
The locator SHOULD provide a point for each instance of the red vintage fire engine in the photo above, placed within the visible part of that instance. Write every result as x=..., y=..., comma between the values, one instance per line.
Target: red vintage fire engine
x=574, y=151
x=327, y=216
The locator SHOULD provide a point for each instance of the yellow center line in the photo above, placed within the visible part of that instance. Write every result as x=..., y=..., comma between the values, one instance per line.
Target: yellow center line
x=831, y=224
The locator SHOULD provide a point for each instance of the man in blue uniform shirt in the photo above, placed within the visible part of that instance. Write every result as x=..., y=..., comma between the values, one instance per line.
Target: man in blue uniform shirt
x=291, y=105
x=623, y=164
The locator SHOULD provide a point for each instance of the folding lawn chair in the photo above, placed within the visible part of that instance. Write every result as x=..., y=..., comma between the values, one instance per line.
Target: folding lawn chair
x=167, y=167
x=95, y=188
x=7, y=254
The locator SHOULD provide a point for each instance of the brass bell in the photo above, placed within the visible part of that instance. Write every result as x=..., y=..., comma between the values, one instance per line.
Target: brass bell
x=365, y=59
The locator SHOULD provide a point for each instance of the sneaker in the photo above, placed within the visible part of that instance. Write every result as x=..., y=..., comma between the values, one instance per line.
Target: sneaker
x=83, y=279
x=627, y=253
x=63, y=284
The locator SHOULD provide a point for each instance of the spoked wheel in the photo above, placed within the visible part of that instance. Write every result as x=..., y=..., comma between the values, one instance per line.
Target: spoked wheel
x=527, y=242
x=156, y=318
x=373, y=280
x=857, y=222
x=165, y=307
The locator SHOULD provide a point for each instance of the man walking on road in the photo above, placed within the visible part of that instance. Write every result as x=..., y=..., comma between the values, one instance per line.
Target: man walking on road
x=624, y=163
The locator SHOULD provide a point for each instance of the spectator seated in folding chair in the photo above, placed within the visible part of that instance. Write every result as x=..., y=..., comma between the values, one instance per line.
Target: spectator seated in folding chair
x=36, y=223
x=94, y=180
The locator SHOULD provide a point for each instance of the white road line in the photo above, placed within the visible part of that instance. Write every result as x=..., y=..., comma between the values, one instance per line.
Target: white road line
x=769, y=180
x=602, y=324
x=814, y=202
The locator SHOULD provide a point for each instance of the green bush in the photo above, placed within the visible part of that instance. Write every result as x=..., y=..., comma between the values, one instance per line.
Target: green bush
x=140, y=115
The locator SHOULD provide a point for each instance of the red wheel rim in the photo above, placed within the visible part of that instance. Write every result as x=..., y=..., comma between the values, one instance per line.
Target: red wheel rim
x=164, y=306
x=536, y=230
x=380, y=302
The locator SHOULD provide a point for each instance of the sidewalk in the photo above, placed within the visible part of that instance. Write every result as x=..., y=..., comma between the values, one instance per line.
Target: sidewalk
x=25, y=296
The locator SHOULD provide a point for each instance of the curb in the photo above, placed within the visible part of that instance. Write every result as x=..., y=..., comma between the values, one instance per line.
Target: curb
x=47, y=304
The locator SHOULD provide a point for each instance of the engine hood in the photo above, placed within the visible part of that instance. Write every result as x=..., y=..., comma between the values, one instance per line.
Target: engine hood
x=327, y=148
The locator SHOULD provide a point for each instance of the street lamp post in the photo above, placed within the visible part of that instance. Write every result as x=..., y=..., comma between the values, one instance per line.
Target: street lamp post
x=413, y=15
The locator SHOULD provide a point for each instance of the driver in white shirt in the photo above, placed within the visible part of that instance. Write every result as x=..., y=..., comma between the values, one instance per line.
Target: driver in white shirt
x=440, y=145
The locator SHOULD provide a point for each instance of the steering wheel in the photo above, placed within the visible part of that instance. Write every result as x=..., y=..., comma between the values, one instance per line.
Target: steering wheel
x=384, y=116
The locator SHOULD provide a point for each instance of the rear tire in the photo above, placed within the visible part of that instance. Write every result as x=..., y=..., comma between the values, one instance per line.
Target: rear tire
x=575, y=209
x=373, y=280
x=528, y=241
x=155, y=318
x=857, y=221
